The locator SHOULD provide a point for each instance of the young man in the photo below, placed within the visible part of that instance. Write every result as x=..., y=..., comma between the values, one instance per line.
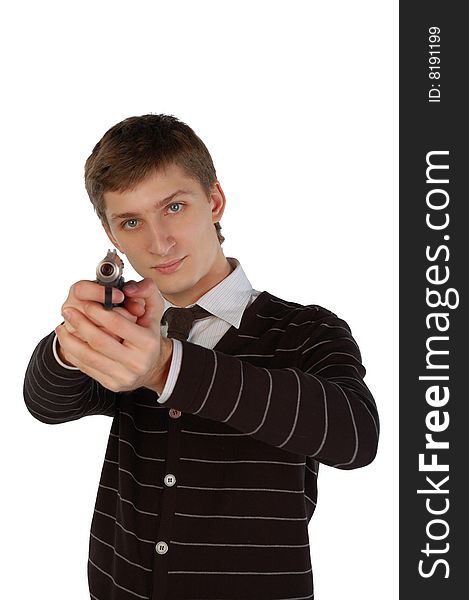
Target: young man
x=209, y=478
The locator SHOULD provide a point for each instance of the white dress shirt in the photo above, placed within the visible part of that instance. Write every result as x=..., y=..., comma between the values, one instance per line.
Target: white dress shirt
x=226, y=302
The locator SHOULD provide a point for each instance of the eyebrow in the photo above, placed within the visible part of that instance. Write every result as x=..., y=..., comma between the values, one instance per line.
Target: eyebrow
x=156, y=206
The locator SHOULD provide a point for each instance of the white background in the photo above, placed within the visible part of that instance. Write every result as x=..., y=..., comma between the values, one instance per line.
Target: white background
x=297, y=103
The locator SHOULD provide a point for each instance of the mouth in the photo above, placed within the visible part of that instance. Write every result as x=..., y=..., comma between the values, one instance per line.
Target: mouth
x=169, y=267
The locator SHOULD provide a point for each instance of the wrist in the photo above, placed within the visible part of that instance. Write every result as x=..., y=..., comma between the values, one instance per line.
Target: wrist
x=162, y=371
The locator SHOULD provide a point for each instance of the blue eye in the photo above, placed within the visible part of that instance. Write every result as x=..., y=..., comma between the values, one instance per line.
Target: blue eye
x=175, y=204
x=127, y=224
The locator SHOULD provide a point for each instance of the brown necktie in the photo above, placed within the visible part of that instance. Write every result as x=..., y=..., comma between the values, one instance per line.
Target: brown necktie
x=180, y=320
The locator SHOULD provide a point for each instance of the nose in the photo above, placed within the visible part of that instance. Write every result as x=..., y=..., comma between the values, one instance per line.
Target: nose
x=160, y=241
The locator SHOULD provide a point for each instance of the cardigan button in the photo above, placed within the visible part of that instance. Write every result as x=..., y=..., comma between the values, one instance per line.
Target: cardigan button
x=174, y=414
x=162, y=547
x=170, y=480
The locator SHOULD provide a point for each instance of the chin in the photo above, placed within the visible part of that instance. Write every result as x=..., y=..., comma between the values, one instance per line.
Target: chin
x=172, y=287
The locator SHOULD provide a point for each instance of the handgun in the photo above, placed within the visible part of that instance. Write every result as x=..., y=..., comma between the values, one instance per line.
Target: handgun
x=109, y=274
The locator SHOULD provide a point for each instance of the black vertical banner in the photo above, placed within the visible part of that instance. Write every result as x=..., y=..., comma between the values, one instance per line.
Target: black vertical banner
x=434, y=331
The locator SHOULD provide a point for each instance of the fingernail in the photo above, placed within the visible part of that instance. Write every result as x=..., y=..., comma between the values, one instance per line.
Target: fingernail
x=130, y=288
x=118, y=296
x=67, y=314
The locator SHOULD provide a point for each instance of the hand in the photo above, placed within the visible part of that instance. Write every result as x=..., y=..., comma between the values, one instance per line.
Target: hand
x=85, y=291
x=120, y=353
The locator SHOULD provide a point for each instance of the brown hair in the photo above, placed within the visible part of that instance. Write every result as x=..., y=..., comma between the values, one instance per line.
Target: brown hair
x=134, y=148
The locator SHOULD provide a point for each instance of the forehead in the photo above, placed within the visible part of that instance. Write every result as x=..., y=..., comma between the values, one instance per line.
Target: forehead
x=154, y=191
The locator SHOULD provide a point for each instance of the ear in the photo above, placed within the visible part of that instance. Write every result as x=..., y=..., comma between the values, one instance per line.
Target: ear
x=112, y=238
x=217, y=202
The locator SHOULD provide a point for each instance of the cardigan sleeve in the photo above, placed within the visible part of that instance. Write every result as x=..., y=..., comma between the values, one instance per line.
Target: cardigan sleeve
x=319, y=407
x=55, y=394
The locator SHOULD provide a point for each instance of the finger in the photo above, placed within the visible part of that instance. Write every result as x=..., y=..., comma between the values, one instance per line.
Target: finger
x=144, y=288
x=65, y=341
x=136, y=306
x=71, y=329
x=79, y=306
x=84, y=358
x=147, y=290
x=91, y=290
x=113, y=335
x=129, y=285
x=98, y=338
x=125, y=312
x=120, y=309
x=62, y=335
x=134, y=335
x=74, y=332
x=69, y=308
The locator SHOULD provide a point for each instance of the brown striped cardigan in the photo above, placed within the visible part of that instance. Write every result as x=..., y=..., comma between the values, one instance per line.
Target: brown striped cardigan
x=209, y=496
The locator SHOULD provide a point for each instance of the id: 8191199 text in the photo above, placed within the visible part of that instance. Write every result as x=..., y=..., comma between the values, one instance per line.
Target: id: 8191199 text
x=434, y=73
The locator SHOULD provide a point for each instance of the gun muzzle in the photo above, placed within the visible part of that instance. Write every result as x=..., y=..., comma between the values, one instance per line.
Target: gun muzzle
x=109, y=274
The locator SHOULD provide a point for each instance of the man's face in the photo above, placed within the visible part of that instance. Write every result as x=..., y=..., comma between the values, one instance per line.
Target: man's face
x=168, y=217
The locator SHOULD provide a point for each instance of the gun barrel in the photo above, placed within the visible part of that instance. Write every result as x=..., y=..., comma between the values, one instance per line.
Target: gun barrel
x=109, y=270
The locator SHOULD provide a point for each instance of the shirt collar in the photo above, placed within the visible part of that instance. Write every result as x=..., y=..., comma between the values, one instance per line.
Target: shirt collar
x=229, y=298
